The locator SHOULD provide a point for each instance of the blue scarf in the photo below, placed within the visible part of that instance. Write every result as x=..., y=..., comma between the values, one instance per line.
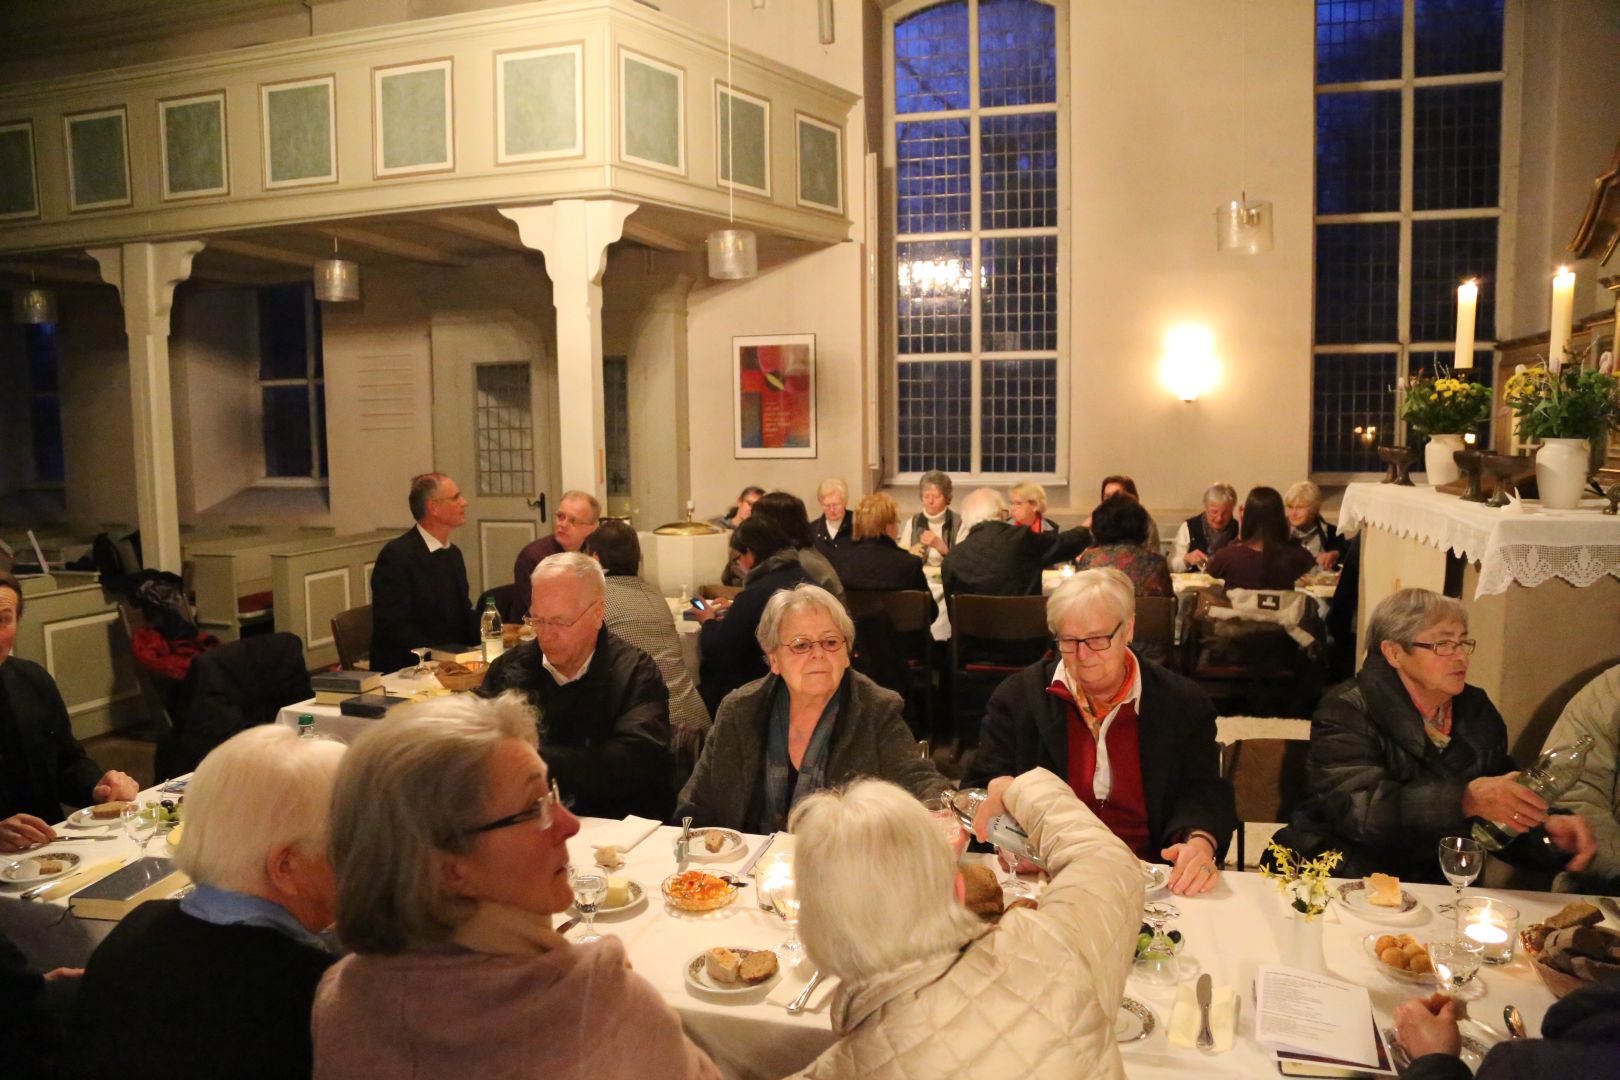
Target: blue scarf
x=223, y=907
x=780, y=798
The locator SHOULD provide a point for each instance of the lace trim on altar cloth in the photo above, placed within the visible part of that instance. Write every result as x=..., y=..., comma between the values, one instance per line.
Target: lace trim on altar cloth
x=1532, y=564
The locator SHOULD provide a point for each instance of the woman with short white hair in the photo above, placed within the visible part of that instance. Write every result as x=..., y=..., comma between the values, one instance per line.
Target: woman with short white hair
x=812, y=723
x=1055, y=974
x=241, y=955
x=832, y=528
x=1302, y=502
x=451, y=849
x=1027, y=501
x=1134, y=740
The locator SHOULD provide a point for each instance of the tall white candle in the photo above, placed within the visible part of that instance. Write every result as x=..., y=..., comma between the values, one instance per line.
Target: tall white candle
x=1563, y=308
x=1467, y=302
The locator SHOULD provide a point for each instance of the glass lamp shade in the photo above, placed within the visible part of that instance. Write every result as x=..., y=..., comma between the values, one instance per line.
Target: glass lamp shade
x=1243, y=227
x=733, y=254
x=33, y=306
x=337, y=280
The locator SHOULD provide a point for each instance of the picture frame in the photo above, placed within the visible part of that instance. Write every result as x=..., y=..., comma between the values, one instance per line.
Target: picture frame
x=97, y=142
x=523, y=131
x=298, y=119
x=19, y=172
x=818, y=163
x=751, y=130
x=194, y=158
x=774, y=396
x=652, y=113
x=413, y=118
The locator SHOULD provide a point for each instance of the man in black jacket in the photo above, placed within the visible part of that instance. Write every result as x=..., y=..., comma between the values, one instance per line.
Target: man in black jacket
x=1135, y=741
x=419, y=583
x=1580, y=1040
x=998, y=558
x=604, y=709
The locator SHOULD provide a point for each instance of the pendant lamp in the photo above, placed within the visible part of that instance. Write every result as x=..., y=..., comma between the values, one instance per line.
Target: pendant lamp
x=733, y=252
x=337, y=280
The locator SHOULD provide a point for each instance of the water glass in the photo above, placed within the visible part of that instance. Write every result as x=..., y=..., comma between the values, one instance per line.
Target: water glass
x=589, y=890
x=782, y=891
x=1461, y=860
x=1456, y=962
x=949, y=822
x=140, y=822
x=1158, y=964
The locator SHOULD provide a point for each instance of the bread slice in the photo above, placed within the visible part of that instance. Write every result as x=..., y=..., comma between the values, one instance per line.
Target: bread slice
x=1578, y=913
x=758, y=966
x=108, y=810
x=714, y=840
x=722, y=965
x=1383, y=890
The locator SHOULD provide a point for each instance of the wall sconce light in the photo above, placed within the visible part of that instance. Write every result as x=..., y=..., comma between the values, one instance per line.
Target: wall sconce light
x=1189, y=367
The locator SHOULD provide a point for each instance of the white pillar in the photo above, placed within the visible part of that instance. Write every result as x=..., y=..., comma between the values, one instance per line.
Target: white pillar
x=145, y=276
x=573, y=235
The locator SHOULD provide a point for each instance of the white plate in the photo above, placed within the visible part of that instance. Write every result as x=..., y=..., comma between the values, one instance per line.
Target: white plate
x=1133, y=1021
x=1476, y=1043
x=697, y=976
x=1155, y=876
x=733, y=847
x=81, y=819
x=27, y=871
x=637, y=894
x=1427, y=978
x=1353, y=895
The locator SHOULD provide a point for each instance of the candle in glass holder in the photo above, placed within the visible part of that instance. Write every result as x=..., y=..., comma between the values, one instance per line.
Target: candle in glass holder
x=1491, y=923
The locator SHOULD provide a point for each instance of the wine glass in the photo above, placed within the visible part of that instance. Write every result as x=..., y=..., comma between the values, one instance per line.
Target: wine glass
x=1461, y=860
x=949, y=822
x=421, y=670
x=1158, y=964
x=140, y=822
x=781, y=889
x=1012, y=886
x=1456, y=962
x=589, y=890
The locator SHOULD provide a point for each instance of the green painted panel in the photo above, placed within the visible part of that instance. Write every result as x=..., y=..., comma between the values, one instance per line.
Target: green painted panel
x=99, y=171
x=194, y=144
x=17, y=172
x=414, y=131
x=300, y=133
x=819, y=166
x=651, y=104
x=747, y=126
x=540, y=106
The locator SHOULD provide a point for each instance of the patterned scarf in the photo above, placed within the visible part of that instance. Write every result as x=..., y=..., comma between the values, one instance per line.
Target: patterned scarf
x=782, y=793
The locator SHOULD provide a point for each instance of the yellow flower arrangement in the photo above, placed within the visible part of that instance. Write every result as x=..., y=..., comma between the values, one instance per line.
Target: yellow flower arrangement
x=1445, y=405
x=1302, y=881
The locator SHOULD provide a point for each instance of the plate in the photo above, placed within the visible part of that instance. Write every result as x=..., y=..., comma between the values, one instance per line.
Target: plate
x=697, y=975
x=1353, y=895
x=1475, y=1045
x=637, y=895
x=81, y=819
x=27, y=869
x=1155, y=876
x=1427, y=978
x=1133, y=1021
x=733, y=847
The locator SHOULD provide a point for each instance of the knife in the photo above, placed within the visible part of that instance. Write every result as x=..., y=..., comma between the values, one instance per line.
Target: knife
x=763, y=848
x=797, y=1005
x=1610, y=908
x=1206, y=1038
x=683, y=846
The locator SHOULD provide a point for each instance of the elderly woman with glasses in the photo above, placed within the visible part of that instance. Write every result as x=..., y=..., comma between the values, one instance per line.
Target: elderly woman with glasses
x=1135, y=741
x=812, y=723
x=1406, y=752
x=451, y=851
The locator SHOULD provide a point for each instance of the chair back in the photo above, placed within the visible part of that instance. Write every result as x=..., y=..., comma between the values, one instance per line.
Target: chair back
x=1268, y=778
x=503, y=597
x=351, y=633
x=1155, y=626
x=157, y=708
x=999, y=618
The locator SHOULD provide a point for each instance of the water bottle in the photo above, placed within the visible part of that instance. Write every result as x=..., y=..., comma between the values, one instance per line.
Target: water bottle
x=1003, y=831
x=489, y=630
x=1553, y=774
x=306, y=726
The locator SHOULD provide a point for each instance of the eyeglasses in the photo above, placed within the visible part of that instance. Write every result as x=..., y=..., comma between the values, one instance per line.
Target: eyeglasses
x=832, y=644
x=1068, y=646
x=570, y=519
x=537, y=624
x=543, y=809
x=1447, y=648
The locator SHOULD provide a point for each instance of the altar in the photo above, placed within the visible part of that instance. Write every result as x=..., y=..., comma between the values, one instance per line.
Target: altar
x=1542, y=589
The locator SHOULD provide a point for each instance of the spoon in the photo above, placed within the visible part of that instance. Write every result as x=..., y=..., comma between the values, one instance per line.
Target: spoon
x=1515, y=1022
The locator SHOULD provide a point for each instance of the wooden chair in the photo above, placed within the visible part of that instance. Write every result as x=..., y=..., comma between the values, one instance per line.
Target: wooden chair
x=909, y=619
x=351, y=633
x=1156, y=628
x=993, y=637
x=502, y=595
x=1268, y=777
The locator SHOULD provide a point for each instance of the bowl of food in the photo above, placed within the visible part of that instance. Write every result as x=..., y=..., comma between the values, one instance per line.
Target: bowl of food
x=1402, y=957
x=457, y=676
x=694, y=890
x=1570, y=950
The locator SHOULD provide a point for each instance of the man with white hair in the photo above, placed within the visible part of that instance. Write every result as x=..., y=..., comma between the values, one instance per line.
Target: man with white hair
x=1135, y=741
x=604, y=709
x=998, y=558
x=239, y=958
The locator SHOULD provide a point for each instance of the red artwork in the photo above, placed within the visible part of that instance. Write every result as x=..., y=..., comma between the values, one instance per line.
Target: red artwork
x=776, y=388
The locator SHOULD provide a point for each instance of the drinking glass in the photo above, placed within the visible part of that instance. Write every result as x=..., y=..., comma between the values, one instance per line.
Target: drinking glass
x=1158, y=964
x=1456, y=962
x=782, y=890
x=1012, y=886
x=140, y=822
x=1461, y=860
x=421, y=670
x=589, y=889
x=949, y=822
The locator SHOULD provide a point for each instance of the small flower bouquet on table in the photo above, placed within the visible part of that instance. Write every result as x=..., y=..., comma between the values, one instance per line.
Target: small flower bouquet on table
x=1302, y=882
x=1444, y=405
x=1571, y=403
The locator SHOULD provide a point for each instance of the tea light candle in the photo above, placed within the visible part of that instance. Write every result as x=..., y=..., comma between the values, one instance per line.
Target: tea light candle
x=1491, y=923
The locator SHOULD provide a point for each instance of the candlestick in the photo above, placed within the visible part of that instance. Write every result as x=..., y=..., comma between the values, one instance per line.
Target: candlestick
x=1563, y=308
x=1467, y=303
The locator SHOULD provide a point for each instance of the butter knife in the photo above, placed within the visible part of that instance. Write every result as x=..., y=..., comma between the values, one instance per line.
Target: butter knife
x=797, y=1005
x=88, y=872
x=763, y=848
x=683, y=846
x=1205, y=991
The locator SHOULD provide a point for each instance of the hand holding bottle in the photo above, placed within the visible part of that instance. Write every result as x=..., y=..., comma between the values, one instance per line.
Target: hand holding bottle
x=1503, y=798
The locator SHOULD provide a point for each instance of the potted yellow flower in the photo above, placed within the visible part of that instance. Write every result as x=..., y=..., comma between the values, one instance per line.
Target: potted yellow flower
x=1444, y=408
x=1566, y=411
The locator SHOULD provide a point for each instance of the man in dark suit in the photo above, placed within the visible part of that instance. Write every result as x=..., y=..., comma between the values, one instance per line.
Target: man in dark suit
x=1136, y=742
x=998, y=558
x=577, y=515
x=419, y=583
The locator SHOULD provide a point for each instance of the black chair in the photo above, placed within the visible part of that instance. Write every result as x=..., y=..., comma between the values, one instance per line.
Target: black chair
x=1156, y=628
x=1268, y=778
x=351, y=633
x=993, y=637
x=235, y=687
x=501, y=594
x=910, y=618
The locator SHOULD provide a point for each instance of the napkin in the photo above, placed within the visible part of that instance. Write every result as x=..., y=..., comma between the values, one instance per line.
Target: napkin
x=792, y=983
x=88, y=876
x=1184, y=1019
x=624, y=834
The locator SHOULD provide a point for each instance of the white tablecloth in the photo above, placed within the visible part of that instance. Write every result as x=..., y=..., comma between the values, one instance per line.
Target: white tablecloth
x=329, y=719
x=1580, y=546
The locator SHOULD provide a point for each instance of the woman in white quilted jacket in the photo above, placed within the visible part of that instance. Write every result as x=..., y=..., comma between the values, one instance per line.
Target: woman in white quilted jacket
x=926, y=990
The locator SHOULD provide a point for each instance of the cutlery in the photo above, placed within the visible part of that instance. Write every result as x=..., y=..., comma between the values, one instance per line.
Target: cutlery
x=1515, y=1022
x=797, y=1005
x=567, y=926
x=763, y=848
x=1610, y=908
x=683, y=846
x=1206, y=1038
x=90, y=871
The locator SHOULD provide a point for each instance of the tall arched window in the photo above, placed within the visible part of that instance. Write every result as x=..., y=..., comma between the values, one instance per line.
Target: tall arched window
x=975, y=94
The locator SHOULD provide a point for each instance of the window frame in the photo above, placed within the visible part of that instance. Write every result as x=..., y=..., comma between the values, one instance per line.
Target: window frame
x=976, y=235
x=1408, y=83
x=316, y=385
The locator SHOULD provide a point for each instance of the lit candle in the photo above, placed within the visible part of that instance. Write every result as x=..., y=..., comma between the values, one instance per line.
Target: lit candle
x=1563, y=308
x=1491, y=923
x=1467, y=302
x=1469, y=438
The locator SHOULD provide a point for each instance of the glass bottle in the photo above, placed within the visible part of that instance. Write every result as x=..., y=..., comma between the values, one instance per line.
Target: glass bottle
x=489, y=630
x=1553, y=774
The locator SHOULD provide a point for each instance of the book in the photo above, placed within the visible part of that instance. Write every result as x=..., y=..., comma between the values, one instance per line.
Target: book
x=461, y=654
x=119, y=893
x=334, y=697
x=1316, y=1025
x=372, y=706
x=346, y=681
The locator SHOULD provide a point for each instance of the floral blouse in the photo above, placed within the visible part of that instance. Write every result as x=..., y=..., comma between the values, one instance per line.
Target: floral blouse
x=1148, y=570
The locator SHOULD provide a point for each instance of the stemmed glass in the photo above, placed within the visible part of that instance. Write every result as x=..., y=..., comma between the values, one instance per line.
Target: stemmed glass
x=1158, y=964
x=1461, y=860
x=589, y=891
x=949, y=822
x=140, y=822
x=421, y=670
x=781, y=889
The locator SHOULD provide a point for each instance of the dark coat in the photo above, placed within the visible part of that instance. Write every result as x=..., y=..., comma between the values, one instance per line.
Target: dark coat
x=1382, y=793
x=727, y=789
x=605, y=736
x=841, y=539
x=533, y=554
x=878, y=564
x=237, y=686
x=731, y=654
x=42, y=766
x=1025, y=727
x=1580, y=1040
x=998, y=558
x=418, y=599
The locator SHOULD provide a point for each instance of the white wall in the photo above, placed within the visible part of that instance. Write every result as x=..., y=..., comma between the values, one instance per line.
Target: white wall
x=212, y=358
x=97, y=428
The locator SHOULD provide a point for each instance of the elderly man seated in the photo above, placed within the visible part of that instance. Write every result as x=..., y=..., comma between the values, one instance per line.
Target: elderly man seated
x=1202, y=535
x=576, y=518
x=604, y=709
x=1595, y=711
x=1135, y=741
x=998, y=558
x=221, y=983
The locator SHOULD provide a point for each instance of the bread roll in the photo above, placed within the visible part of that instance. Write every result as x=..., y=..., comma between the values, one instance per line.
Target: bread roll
x=758, y=966
x=981, y=892
x=722, y=965
x=714, y=840
x=108, y=809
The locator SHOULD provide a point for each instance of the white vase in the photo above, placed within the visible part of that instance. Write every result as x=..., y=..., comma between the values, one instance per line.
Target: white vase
x=1305, y=945
x=1437, y=459
x=1561, y=466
